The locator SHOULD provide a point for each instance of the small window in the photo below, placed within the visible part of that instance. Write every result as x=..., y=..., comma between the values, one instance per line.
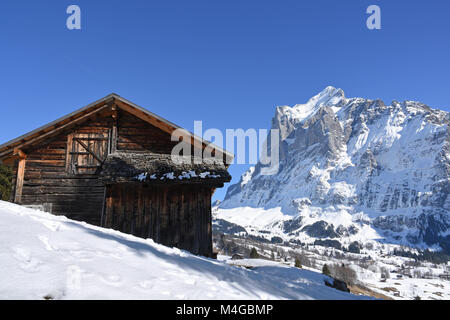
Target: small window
x=87, y=152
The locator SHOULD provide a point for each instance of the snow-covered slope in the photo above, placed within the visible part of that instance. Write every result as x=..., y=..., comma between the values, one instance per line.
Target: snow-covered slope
x=49, y=257
x=352, y=169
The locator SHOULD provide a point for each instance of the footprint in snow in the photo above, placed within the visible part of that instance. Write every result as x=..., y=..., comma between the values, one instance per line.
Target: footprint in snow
x=82, y=255
x=46, y=242
x=110, y=254
x=27, y=262
x=122, y=248
x=147, y=284
x=52, y=225
x=112, y=280
x=190, y=281
x=175, y=273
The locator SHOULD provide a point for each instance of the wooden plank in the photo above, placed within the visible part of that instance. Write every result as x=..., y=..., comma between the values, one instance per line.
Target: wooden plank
x=41, y=189
x=127, y=211
x=157, y=213
x=93, y=129
x=19, y=181
x=152, y=213
x=208, y=223
x=87, y=166
x=131, y=209
x=176, y=222
x=83, y=200
x=61, y=157
x=88, y=149
x=47, y=162
x=79, y=153
x=114, y=130
x=114, y=207
x=121, y=207
x=69, y=149
x=48, y=154
x=146, y=213
x=140, y=211
x=60, y=178
x=92, y=138
x=107, y=209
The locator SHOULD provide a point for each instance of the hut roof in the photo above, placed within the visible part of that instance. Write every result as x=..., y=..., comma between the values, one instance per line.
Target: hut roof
x=52, y=128
x=149, y=168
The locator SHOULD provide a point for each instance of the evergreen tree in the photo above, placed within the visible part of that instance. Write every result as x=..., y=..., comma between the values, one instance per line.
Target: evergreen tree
x=6, y=176
x=326, y=270
x=298, y=264
x=254, y=254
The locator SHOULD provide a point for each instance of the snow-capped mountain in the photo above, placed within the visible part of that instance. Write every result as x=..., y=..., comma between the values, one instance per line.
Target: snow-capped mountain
x=351, y=169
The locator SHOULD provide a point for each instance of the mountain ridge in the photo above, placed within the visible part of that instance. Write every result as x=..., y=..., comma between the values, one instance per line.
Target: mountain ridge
x=348, y=165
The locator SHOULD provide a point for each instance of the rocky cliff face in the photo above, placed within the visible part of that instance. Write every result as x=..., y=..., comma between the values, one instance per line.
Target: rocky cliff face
x=350, y=167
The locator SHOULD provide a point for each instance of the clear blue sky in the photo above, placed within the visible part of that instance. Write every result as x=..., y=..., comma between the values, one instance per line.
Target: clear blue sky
x=228, y=63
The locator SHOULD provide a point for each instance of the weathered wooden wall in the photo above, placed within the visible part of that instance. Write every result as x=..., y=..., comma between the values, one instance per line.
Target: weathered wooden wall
x=48, y=178
x=178, y=216
x=135, y=134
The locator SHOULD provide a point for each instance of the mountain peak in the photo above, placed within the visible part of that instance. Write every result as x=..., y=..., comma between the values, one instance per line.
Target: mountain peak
x=330, y=90
x=341, y=158
x=328, y=96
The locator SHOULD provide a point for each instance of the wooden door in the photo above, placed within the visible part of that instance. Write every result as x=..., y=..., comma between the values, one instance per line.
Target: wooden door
x=88, y=152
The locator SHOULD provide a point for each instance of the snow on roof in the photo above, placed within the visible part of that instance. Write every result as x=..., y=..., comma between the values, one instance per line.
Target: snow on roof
x=126, y=167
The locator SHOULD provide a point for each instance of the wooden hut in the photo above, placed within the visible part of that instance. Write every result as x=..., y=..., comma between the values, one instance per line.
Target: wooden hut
x=110, y=164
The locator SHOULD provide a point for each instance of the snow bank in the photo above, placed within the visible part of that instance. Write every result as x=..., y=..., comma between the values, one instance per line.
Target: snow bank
x=47, y=256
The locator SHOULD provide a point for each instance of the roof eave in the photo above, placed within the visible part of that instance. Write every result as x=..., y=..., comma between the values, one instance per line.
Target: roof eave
x=12, y=143
x=9, y=146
